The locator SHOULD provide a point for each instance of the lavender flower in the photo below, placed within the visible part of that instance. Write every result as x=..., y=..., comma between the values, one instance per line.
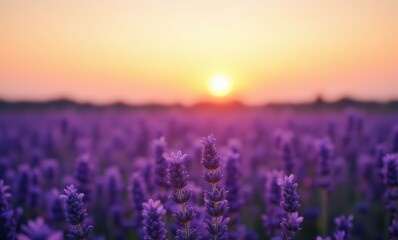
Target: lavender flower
x=287, y=154
x=56, y=213
x=390, y=179
x=339, y=235
x=325, y=152
x=232, y=184
x=395, y=140
x=22, y=185
x=152, y=214
x=160, y=163
x=273, y=214
x=113, y=184
x=178, y=179
x=138, y=196
x=216, y=204
x=7, y=216
x=343, y=224
x=76, y=213
x=83, y=174
x=290, y=204
x=38, y=230
x=50, y=169
x=393, y=230
x=380, y=152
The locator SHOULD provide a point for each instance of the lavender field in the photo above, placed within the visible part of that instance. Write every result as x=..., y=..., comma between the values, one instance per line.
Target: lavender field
x=172, y=173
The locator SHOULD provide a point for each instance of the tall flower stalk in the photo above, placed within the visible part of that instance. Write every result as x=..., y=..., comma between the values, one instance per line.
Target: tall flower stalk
x=152, y=214
x=138, y=195
x=289, y=204
x=390, y=179
x=273, y=214
x=160, y=163
x=83, y=175
x=7, y=220
x=343, y=227
x=216, y=204
x=76, y=213
x=178, y=179
x=232, y=184
x=325, y=152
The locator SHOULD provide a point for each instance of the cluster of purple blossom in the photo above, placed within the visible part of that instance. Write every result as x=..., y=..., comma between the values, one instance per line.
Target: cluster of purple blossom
x=306, y=181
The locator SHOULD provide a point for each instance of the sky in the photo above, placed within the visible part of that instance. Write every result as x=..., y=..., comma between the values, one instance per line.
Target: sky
x=166, y=51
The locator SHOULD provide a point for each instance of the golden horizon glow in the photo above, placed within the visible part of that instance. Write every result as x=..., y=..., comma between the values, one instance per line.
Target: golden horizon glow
x=165, y=51
x=220, y=85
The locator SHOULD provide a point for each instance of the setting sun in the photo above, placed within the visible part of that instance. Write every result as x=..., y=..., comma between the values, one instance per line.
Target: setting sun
x=220, y=85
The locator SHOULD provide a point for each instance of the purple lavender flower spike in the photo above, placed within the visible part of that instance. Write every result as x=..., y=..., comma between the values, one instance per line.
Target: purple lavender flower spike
x=380, y=152
x=138, y=196
x=325, y=153
x=50, y=169
x=344, y=224
x=38, y=229
x=83, y=174
x=393, y=229
x=390, y=179
x=290, y=204
x=216, y=204
x=76, y=214
x=22, y=185
x=56, y=213
x=288, y=154
x=273, y=213
x=7, y=216
x=339, y=235
x=232, y=184
x=178, y=179
x=152, y=214
x=395, y=140
x=160, y=163
x=113, y=185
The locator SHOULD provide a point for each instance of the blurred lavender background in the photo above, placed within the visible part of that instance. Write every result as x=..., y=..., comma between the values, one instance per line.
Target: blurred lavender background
x=118, y=157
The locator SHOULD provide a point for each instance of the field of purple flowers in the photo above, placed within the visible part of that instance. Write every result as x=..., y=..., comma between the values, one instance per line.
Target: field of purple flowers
x=198, y=174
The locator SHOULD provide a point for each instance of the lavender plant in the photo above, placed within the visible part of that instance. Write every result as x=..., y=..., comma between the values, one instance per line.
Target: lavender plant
x=160, y=163
x=7, y=215
x=152, y=214
x=232, y=184
x=138, y=195
x=343, y=227
x=216, y=204
x=34, y=153
x=272, y=196
x=76, y=214
x=178, y=179
x=39, y=230
x=390, y=179
x=325, y=153
x=290, y=204
x=83, y=175
x=55, y=210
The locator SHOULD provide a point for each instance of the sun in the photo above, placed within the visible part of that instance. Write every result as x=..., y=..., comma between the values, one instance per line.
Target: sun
x=220, y=85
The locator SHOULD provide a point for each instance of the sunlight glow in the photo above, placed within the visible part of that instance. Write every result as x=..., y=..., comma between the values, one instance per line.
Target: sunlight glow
x=220, y=85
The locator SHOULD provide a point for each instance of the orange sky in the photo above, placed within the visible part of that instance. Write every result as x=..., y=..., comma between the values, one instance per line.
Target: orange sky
x=165, y=51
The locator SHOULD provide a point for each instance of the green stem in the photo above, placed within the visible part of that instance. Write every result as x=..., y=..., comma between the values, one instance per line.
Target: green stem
x=214, y=187
x=79, y=227
x=184, y=211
